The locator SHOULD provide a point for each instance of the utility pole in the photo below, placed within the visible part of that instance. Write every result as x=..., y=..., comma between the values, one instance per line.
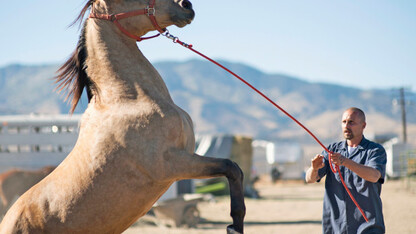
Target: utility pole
x=403, y=109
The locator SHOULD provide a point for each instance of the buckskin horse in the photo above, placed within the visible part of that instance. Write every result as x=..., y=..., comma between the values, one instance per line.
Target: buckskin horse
x=134, y=142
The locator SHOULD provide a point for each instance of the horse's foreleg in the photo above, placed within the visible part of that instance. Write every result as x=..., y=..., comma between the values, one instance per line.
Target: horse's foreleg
x=187, y=166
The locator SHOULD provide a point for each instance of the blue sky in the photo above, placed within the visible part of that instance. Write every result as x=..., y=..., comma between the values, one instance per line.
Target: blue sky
x=360, y=43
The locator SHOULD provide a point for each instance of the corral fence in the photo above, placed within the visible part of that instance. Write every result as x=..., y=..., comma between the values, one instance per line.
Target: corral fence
x=408, y=163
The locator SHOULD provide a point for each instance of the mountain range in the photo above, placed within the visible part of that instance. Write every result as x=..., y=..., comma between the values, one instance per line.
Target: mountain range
x=219, y=103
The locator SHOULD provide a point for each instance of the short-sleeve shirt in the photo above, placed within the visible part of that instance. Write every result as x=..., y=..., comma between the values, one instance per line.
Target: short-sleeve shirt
x=340, y=214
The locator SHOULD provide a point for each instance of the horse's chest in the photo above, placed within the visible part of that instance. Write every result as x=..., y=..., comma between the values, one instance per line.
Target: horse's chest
x=144, y=129
x=164, y=127
x=180, y=128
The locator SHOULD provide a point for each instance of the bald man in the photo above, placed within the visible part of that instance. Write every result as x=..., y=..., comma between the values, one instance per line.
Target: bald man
x=362, y=164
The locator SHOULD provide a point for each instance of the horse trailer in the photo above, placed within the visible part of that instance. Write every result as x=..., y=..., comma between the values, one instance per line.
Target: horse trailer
x=34, y=141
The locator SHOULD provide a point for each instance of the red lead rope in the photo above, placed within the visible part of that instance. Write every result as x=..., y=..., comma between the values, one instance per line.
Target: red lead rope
x=334, y=170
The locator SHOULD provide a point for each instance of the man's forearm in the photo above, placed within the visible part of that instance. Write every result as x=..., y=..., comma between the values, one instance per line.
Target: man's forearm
x=368, y=173
x=311, y=175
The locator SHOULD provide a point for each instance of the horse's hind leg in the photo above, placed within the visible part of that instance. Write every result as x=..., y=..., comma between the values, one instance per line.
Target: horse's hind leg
x=187, y=166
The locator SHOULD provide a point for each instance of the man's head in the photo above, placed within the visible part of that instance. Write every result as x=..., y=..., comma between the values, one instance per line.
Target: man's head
x=353, y=124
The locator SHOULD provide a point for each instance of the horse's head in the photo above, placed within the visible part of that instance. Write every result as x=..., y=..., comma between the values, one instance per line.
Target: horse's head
x=166, y=13
x=134, y=18
x=174, y=12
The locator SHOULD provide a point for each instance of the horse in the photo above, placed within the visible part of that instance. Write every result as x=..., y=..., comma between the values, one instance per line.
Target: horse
x=14, y=182
x=134, y=141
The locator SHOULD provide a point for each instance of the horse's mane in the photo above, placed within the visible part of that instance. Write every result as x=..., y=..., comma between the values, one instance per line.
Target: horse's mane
x=72, y=77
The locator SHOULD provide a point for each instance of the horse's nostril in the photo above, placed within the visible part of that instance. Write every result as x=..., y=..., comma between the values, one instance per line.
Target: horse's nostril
x=186, y=4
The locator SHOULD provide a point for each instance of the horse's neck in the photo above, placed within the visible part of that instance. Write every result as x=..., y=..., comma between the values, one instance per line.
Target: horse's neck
x=119, y=69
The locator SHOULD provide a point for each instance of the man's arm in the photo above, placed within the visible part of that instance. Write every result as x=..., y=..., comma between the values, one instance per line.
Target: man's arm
x=368, y=173
x=312, y=173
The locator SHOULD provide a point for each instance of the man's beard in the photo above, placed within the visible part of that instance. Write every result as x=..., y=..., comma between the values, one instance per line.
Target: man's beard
x=348, y=135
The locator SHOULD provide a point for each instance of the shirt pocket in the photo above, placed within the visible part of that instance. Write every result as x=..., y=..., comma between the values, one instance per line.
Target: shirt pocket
x=359, y=183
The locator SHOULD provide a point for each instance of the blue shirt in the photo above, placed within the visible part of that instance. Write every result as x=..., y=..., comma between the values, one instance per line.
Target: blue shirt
x=340, y=215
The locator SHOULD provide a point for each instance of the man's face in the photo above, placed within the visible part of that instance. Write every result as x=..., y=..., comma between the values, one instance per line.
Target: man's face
x=352, y=125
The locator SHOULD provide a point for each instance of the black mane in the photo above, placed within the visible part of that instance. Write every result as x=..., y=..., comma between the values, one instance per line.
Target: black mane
x=72, y=77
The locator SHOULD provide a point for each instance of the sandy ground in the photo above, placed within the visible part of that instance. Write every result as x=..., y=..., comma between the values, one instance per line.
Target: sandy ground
x=292, y=208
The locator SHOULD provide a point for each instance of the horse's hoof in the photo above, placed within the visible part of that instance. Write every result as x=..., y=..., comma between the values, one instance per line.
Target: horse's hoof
x=231, y=230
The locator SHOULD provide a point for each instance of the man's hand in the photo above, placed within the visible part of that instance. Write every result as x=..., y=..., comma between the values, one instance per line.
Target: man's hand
x=317, y=162
x=337, y=159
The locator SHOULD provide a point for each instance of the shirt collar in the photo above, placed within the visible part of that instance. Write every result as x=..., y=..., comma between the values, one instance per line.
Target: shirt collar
x=363, y=144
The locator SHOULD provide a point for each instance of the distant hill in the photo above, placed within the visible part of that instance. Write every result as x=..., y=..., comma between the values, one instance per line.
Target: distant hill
x=30, y=89
x=219, y=103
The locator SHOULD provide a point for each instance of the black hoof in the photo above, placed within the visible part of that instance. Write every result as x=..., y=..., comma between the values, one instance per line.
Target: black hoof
x=231, y=230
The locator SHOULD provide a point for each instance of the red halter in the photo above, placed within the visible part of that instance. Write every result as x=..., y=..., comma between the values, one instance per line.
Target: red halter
x=150, y=11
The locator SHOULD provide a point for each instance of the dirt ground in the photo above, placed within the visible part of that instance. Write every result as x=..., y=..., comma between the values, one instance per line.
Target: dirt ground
x=292, y=208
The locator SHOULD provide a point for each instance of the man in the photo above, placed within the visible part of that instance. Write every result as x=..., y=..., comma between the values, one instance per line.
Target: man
x=362, y=164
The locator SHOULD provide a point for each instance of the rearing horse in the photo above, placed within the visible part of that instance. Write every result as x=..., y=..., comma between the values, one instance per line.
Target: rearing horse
x=134, y=142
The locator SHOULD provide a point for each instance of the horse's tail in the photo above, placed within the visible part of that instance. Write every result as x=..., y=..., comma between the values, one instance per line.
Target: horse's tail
x=72, y=76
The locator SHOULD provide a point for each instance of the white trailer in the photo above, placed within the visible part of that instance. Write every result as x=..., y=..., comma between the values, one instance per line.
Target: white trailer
x=286, y=157
x=397, y=158
x=34, y=141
